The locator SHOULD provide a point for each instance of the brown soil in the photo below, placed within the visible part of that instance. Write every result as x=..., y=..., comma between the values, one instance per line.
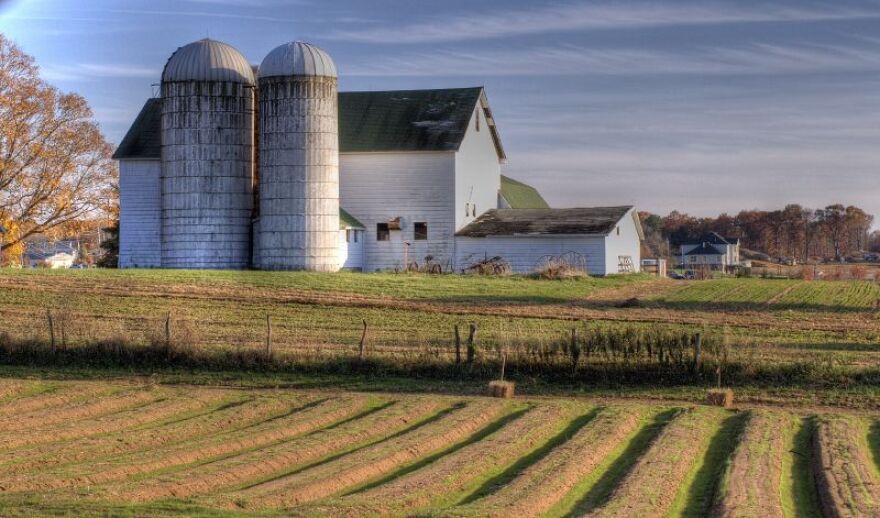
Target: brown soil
x=847, y=483
x=544, y=484
x=454, y=473
x=153, y=437
x=265, y=462
x=64, y=395
x=755, y=471
x=374, y=461
x=118, y=468
x=650, y=489
x=70, y=413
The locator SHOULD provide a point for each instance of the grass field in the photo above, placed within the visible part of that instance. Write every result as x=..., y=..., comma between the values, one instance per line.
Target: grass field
x=133, y=447
x=820, y=339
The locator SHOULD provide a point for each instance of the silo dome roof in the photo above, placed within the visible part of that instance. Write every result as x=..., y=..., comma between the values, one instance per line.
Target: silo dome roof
x=297, y=59
x=208, y=60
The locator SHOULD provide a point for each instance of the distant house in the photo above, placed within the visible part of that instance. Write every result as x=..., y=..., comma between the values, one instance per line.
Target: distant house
x=711, y=251
x=608, y=239
x=61, y=254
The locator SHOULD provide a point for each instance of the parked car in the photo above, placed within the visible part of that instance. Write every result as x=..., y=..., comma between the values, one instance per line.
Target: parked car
x=676, y=276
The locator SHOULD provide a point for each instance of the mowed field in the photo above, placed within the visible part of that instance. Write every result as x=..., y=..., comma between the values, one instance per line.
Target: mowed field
x=130, y=447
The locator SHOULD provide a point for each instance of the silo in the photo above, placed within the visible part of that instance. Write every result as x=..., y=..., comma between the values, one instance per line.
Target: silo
x=207, y=157
x=298, y=160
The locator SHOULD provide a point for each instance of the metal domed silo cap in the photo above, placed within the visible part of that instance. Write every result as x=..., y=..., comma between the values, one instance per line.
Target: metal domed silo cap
x=208, y=60
x=297, y=59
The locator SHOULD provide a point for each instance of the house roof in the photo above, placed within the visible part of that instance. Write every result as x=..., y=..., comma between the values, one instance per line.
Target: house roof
x=713, y=238
x=705, y=249
x=594, y=220
x=404, y=120
x=520, y=195
x=346, y=220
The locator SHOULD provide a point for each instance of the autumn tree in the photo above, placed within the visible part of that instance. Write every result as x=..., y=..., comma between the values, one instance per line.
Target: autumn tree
x=55, y=166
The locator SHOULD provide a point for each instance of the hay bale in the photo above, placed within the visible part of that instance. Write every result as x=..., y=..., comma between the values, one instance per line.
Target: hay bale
x=501, y=389
x=720, y=397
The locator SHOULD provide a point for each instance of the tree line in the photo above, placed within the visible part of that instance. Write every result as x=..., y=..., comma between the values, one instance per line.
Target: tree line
x=795, y=232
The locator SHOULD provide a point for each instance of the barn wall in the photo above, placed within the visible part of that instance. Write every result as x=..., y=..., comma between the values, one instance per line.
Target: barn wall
x=524, y=253
x=626, y=243
x=139, y=214
x=477, y=170
x=378, y=187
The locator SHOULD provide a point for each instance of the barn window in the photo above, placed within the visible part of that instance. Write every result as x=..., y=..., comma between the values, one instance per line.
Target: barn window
x=618, y=231
x=382, y=232
x=420, y=231
x=356, y=232
x=348, y=236
x=477, y=121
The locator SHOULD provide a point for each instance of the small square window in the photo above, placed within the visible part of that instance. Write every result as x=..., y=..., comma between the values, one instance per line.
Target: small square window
x=348, y=236
x=382, y=232
x=477, y=119
x=420, y=231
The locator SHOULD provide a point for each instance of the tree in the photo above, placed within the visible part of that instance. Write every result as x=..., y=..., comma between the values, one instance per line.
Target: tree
x=55, y=166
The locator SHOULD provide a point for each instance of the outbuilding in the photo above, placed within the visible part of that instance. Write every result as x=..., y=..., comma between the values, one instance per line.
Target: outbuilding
x=605, y=240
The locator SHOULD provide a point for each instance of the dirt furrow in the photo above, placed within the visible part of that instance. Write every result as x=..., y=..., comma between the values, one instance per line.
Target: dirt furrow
x=69, y=415
x=541, y=486
x=118, y=468
x=456, y=472
x=650, y=489
x=847, y=482
x=380, y=459
x=163, y=406
x=751, y=485
x=280, y=458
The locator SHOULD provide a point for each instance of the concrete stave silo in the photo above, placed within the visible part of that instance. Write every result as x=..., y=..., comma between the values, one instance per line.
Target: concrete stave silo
x=207, y=157
x=298, y=161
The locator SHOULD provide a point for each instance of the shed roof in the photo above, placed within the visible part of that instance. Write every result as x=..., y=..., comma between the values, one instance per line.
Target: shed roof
x=520, y=195
x=346, y=220
x=500, y=222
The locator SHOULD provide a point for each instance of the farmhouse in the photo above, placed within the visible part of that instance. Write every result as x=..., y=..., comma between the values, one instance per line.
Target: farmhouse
x=236, y=166
x=711, y=251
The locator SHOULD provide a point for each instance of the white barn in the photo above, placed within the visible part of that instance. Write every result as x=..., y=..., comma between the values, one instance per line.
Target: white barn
x=419, y=177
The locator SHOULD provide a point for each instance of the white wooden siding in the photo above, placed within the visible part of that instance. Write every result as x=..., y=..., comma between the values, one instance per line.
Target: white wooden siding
x=139, y=214
x=623, y=240
x=378, y=187
x=351, y=253
x=524, y=253
x=477, y=170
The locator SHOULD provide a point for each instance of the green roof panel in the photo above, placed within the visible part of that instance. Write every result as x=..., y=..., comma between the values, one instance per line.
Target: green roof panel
x=520, y=195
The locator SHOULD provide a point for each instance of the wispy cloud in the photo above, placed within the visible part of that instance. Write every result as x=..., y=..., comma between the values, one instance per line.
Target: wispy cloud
x=90, y=71
x=755, y=58
x=574, y=16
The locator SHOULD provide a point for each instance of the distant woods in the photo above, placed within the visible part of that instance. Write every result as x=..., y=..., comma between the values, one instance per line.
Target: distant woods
x=795, y=232
x=56, y=169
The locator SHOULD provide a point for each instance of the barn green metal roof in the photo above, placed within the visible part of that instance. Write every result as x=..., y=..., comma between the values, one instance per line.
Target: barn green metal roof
x=403, y=120
x=520, y=195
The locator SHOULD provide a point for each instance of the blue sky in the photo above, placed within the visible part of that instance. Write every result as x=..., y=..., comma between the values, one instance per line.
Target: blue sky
x=691, y=105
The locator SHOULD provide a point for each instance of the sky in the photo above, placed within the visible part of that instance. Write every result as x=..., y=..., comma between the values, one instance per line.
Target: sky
x=700, y=106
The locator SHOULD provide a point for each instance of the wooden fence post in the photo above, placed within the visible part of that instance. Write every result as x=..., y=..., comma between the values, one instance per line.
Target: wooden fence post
x=503, y=363
x=363, y=344
x=168, y=332
x=268, y=336
x=471, y=348
x=51, y=330
x=457, y=346
x=698, y=342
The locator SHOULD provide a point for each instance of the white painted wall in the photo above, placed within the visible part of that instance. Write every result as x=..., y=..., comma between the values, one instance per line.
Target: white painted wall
x=351, y=249
x=139, y=214
x=378, y=187
x=624, y=239
x=524, y=253
x=477, y=170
